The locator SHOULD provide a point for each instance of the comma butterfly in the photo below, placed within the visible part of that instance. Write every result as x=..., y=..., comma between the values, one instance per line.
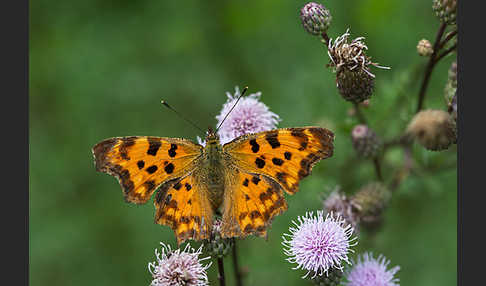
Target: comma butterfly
x=244, y=179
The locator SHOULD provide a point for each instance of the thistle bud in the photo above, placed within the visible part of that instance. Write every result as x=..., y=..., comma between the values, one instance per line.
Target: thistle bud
x=333, y=278
x=445, y=10
x=451, y=85
x=351, y=64
x=424, y=48
x=365, y=141
x=452, y=108
x=218, y=246
x=434, y=129
x=338, y=203
x=370, y=201
x=315, y=18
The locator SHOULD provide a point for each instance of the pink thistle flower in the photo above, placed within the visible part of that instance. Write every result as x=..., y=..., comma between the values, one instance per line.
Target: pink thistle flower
x=318, y=244
x=249, y=116
x=372, y=272
x=173, y=267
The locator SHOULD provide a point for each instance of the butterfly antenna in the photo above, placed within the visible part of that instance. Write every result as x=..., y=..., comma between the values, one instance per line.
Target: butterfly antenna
x=239, y=97
x=181, y=116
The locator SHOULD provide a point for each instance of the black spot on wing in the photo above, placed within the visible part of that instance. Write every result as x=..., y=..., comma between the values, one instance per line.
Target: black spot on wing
x=260, y=163
x=255, y=180
x=277, y=161
x=288, y=155
x=254, y=146
x=272, y=139
x=125, y=145
x=169, y=169
x=177, y=186
x=188, y=186
x=172, y=151
x=140, y=164
x=152, y=169
x=245, y=182
x=154, y=145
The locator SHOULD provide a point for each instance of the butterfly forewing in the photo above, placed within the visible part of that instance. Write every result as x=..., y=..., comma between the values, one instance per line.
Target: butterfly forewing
x=286, y=155
x=143, y=163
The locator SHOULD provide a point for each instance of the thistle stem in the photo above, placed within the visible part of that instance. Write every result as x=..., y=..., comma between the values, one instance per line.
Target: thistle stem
x=446, y=52
x=430, y=67
x=377, y=164
x=359, y=114
x=236, y=265
x=447, y=38
x=326, y=38
x=221, y=272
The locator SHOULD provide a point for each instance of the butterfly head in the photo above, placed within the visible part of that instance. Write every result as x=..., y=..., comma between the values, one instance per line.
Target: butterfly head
x=212, y=137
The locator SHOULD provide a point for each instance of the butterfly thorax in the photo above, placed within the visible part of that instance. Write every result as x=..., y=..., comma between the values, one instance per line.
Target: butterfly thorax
x=213, y=168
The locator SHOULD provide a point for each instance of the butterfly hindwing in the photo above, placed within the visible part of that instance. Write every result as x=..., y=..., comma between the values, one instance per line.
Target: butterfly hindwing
x=183, y=205
x=143, y=163
x=251, y=202
x=285, y=155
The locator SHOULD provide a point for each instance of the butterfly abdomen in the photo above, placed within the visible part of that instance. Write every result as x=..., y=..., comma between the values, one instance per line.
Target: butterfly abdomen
x=213, y=171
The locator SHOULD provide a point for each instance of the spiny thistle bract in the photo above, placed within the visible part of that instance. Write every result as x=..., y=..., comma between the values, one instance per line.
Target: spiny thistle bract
x=318, y=244
x=433, y=129
x=250, y=115
x=176, y=267
x=446, y=10
x=424, y=48
x=370, y=201
x=349, y=60
x=368, y=271
x=338, y=203
x=451, y=85
x=365, y=141
x=315, y=18
x=218, y=246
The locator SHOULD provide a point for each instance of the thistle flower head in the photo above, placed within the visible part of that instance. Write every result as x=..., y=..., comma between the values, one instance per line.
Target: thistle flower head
x=250, y=115
x=319, y=244
x=350, y=55
x=369, y=271
x=424, y=48
x=315, y=18
x=338, y=203
x=354, y=80
x=176, y=267
x=365, y=141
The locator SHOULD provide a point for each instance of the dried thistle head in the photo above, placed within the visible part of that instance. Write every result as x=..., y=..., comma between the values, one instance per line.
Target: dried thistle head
x=351, y=64
x=433, y=129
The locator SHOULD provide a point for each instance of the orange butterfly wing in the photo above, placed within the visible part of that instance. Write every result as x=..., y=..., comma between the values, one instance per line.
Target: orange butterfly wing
x=142, y=163
x=250, y=204
x=263, y=165
x=286, y=155
x=183, y=205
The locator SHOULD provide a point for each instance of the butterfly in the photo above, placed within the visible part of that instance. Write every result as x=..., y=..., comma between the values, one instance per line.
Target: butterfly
x=243, y=181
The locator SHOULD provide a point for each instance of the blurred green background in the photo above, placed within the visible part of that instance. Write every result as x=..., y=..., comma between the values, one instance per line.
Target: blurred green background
x=99, y=68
